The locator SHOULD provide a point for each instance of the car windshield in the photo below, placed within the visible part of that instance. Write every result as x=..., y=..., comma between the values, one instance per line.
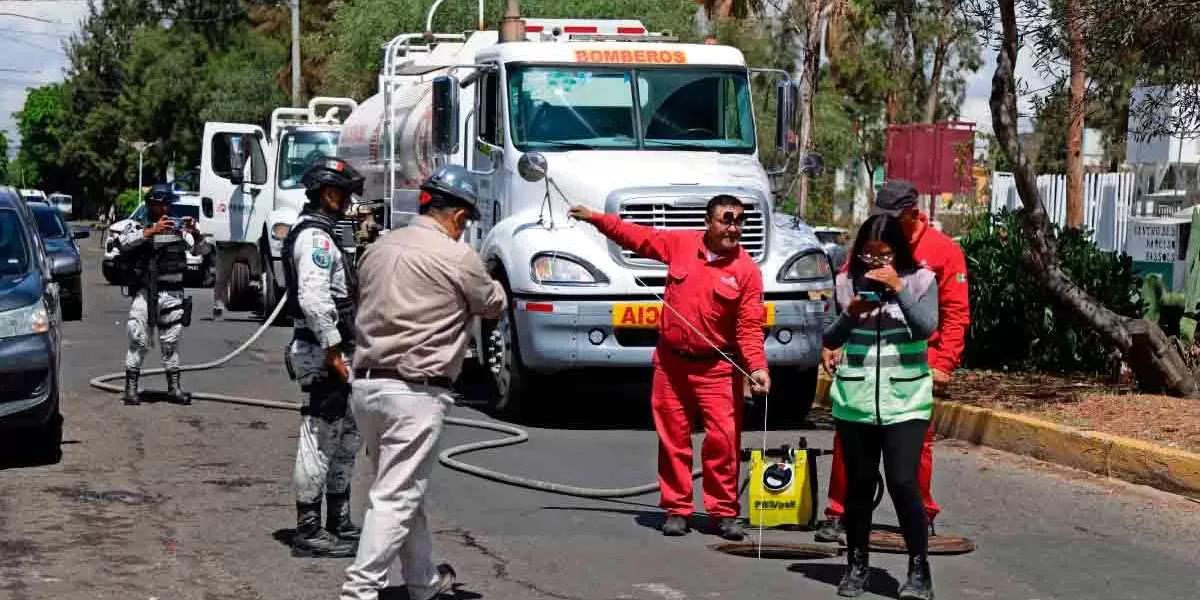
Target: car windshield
x=49, y=224
x=594, y=108
x=14, y=257
x=297, y=151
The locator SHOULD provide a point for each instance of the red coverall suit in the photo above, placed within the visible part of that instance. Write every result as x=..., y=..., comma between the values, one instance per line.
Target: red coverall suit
x=722, y=298
x=937, y=252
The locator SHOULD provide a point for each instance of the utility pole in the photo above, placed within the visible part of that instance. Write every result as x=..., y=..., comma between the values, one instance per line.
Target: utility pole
x=141, y=148
x=295, y=6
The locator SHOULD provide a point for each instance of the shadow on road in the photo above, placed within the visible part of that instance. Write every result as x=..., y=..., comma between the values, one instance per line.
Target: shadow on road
x=15, y=454
x=881, y=582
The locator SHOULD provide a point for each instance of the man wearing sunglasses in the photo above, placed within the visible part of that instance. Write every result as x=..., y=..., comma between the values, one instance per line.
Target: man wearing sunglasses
x=939, y=253
x=713, y=314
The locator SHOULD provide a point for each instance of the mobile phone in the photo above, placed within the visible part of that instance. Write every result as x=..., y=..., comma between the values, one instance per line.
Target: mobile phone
x=869, y=296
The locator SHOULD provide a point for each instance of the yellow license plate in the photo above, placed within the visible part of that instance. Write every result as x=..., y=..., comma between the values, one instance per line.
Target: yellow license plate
x=645, y=315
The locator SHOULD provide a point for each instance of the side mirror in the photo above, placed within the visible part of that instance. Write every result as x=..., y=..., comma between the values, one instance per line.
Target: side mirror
x=532, y=166
x=237, y=161
x=445, y=114
x=787, y=96
x=80, y=234
x=206, y=206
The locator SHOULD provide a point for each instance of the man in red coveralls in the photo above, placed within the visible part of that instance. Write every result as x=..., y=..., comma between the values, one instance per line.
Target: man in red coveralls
x=714, y=305
x=937, y=252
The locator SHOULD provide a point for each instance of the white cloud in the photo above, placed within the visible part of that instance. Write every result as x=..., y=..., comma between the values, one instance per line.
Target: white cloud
x=979, y=88
x=31, y=53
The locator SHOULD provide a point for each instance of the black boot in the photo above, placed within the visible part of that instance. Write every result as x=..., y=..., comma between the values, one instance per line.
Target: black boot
x=920, y=582
x=174, y=390
x=312, y=540
x=337, y=520
x=858, y=570
x=131, y=387
x=831, y=531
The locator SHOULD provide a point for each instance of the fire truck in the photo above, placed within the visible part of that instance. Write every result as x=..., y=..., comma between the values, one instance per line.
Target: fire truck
x=549, y=113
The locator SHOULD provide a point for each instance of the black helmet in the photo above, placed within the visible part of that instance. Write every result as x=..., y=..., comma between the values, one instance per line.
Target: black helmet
x=333, y=172
x=455, y=183
x=162, y=192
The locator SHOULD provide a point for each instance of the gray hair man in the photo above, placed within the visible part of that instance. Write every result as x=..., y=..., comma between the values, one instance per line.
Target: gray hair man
x=419, y=287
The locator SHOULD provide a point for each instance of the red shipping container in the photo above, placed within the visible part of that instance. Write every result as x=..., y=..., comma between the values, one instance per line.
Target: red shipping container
x=936, y=158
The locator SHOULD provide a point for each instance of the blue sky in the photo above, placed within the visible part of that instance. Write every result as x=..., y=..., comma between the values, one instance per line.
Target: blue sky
x=31, y=55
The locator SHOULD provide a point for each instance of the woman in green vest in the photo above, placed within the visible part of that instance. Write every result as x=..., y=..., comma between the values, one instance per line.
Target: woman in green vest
x=883, y=392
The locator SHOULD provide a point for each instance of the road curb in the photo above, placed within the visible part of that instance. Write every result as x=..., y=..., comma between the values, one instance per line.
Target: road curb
x=1135, y=461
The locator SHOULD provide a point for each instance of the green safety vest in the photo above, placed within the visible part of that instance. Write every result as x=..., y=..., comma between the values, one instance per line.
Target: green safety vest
x=884, y=375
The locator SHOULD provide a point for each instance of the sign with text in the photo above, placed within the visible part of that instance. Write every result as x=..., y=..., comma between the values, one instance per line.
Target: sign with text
x=653, y=57
x=1153, y=242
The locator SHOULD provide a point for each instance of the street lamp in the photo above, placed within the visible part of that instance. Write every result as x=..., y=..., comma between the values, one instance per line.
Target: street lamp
x=141, y=147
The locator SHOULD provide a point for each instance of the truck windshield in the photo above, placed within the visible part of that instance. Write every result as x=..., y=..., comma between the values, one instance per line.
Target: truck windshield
x=298, y=150
x=594, y=107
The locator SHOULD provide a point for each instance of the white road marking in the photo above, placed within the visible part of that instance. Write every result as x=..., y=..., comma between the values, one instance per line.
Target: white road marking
x=666, y=591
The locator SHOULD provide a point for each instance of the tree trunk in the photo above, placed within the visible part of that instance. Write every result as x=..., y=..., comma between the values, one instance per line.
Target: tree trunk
x=899, y=41
x=1155, y=362
x=1075, y=109
x=939, y=61
x=808, y=91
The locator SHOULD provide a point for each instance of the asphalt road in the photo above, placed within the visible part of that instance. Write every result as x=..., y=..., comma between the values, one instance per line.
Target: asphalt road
x=171, y=502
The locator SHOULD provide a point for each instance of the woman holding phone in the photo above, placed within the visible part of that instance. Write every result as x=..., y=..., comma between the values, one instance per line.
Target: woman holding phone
x=883, y=392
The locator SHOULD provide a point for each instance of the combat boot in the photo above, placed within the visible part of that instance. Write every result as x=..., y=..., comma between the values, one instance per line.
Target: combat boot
x=858, y=571
x=174, y=390
x=337, y=519
x=131, y=387
x=311, y=540
x=920, y=582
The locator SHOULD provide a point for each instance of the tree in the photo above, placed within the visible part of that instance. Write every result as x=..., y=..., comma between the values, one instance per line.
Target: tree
x=41, y=123
x=1155, y=362
x=3, y=156
x=1075, y=109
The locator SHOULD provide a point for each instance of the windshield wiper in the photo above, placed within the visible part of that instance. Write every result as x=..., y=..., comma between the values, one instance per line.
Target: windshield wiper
x=675, y=144
x=566, y=145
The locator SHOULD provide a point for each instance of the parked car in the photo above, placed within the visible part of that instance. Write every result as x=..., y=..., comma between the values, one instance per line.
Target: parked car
x=30, y=335
x=199, y=268
x=63, y=202
x=64, y=255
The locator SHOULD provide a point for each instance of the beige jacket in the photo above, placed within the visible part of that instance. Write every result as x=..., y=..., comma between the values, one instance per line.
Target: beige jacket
x=418, y=288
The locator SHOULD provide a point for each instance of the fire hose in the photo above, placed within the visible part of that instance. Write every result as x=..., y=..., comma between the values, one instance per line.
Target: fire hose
x=515, y=435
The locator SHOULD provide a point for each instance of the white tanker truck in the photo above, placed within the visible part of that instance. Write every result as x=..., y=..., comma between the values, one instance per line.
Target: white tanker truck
x=251, y=193
x=546, y=113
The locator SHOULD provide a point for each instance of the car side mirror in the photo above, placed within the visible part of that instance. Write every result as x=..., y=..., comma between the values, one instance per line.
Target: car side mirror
x=445, y=114
x=787, y=95
x=206, y=206
x=80, y=234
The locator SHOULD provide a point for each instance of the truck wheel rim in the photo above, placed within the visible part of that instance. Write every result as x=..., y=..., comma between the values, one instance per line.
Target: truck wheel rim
x=500, y=362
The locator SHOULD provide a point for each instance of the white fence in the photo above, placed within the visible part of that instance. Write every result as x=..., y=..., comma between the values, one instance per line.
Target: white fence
x=1107, y=202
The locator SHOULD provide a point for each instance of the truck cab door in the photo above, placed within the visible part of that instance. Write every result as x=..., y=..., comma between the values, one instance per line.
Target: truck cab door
x=486, y=151
x=233, y=173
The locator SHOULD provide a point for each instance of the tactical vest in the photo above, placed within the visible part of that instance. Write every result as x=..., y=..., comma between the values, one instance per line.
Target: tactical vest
x=346, y=308
x=884, y=376
x=167, y=252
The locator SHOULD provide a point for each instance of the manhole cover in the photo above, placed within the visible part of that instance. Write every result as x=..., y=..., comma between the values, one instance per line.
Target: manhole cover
x=891, y=541
x=778, y=550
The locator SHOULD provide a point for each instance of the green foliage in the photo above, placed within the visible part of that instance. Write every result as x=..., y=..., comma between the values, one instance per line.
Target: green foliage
x=127, y=202
x=1016, y=324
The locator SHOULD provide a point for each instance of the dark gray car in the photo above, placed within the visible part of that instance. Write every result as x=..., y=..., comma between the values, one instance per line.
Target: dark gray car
x=30, y=336
x=64, y=256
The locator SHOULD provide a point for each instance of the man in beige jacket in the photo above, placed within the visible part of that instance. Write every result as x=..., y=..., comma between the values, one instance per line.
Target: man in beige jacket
x=419, y=286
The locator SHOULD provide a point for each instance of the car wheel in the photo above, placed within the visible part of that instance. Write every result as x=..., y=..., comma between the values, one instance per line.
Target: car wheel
x=792, y=393
x=72, y=304
x=110, y=275
x=516, y=388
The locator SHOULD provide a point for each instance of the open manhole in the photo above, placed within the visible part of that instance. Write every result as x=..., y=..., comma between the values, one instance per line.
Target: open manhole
x=778, y=550
x=891, y=541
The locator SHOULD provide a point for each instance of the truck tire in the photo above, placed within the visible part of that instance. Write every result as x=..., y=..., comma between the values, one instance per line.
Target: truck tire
x=516, y=389
x=241, y=294
x=271, y=293
x=793, y=390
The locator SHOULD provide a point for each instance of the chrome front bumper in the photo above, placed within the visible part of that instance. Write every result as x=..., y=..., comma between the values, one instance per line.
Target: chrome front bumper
x=562, y=334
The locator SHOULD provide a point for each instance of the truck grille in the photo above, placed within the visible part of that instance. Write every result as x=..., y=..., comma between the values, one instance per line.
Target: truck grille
x=665, y=215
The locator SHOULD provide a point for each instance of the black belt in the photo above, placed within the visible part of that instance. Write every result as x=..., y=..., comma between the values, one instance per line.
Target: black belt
x=443, y=382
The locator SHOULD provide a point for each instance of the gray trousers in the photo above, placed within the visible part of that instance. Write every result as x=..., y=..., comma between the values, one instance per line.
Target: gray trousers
x=324, y=457
x=170, y=327
x=400, y=425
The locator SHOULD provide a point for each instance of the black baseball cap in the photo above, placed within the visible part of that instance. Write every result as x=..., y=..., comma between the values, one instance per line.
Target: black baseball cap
x=895, y=196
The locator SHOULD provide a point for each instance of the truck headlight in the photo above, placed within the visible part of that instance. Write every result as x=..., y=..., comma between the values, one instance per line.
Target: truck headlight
x=557, y=268
x=24, y=320
x=806, y=267
x=280, y=231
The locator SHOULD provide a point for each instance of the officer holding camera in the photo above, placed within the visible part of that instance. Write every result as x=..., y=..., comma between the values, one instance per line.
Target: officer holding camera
x=154, y=257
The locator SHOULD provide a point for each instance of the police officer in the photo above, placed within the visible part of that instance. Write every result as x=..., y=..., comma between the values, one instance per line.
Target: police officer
x=321, y=289
x=154, y=255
